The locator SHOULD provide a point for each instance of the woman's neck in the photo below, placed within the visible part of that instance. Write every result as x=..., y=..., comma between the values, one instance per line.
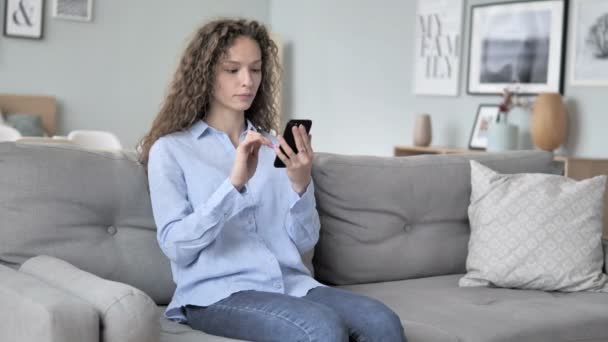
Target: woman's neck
x=229, y=122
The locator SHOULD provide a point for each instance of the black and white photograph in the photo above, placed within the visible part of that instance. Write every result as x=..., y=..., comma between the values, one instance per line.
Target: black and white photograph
x=80, y=10
x=23, y=18
x=517, y=43
x=590, y=47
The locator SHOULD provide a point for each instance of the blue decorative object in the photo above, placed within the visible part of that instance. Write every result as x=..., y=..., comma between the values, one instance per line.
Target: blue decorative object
x=502, y=135
x=520, y=116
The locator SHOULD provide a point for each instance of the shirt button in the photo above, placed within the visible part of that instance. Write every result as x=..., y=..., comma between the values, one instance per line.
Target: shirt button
x=277, y=285
x=112, y=230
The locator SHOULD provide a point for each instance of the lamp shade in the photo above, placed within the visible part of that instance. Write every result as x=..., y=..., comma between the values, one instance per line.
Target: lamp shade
x=549, y=123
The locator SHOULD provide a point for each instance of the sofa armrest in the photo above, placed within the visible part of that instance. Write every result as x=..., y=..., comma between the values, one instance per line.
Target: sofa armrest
x=127, y=314
x=33, y=311
x=605, y=256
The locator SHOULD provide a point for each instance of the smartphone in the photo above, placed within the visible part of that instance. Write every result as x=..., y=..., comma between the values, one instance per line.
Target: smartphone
x=288, y=136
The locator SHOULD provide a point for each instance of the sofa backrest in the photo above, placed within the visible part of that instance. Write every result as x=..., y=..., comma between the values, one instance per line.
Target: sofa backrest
x=89, y=208
x=382, y=218
x=386, y=218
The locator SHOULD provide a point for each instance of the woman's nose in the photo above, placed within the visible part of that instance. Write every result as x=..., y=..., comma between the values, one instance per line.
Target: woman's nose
x=246, y=78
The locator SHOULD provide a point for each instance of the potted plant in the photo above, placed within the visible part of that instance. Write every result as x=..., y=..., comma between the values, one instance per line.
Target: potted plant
x=503, y=135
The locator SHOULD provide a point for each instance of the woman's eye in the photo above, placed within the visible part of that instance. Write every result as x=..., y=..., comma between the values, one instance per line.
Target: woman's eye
x=256, y=70
x=232, y=71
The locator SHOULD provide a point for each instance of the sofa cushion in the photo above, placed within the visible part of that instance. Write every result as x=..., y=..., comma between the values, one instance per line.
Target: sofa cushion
x=89, y=208
x=386, y=218
x=176, y=332
x=436, y=309
x=535, y=231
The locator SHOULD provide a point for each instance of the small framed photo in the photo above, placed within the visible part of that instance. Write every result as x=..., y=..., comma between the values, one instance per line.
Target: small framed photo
x=80, y=10
x=589, y=53
x=486, y=113
x=23, y=18
x=517, y=42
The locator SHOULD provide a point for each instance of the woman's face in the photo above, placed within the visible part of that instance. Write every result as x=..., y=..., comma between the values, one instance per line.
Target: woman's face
x=238, y=75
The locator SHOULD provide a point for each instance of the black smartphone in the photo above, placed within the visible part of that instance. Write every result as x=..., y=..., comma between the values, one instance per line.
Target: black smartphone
x=288, y=136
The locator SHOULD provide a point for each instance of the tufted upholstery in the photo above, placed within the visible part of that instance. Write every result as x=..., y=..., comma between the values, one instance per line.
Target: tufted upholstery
x=89, y=208
x=382, y=219
x=408, y=219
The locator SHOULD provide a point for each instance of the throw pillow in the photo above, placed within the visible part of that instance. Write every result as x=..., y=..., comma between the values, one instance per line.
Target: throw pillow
x=29, y=125
x=535, y=231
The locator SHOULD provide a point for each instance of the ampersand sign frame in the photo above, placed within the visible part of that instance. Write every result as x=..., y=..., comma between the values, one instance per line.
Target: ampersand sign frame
x=24, y=18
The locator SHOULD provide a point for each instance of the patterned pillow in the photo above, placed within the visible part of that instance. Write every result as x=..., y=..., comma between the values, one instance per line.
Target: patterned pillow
x=535, y=231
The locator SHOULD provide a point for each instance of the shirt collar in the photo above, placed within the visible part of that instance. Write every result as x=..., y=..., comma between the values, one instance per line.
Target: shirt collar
x=200, y=127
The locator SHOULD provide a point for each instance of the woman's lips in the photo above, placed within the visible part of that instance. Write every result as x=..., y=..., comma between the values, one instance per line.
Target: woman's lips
x=245, y=96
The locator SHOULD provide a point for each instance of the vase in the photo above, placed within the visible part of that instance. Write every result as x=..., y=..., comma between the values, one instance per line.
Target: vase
x=520, y=117
x=549, y=123
x=422, y=130
x=502, y=136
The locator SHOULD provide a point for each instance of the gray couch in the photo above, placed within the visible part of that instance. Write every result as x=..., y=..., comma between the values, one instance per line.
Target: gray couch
x=79, y=259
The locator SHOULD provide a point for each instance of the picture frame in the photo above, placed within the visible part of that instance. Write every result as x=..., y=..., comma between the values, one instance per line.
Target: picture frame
x=78, y=10
x=438, y=47
x=486, y=113
x=589, y=51
x=24, y=18
x=519, y=42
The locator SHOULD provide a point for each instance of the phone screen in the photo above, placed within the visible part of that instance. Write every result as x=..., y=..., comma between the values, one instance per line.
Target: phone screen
x=288, y=136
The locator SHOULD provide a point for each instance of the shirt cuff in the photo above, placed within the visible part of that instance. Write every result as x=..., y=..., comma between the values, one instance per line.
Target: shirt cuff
x=227, y=201
x=304, y=203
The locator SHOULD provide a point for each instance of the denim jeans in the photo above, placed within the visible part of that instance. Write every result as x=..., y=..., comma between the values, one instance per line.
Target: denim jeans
x=324, y=314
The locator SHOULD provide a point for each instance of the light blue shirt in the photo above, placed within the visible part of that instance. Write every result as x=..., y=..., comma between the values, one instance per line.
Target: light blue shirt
x=219, y=240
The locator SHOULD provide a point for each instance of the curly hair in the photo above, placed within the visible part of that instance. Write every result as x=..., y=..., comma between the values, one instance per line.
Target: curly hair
x=190, y=92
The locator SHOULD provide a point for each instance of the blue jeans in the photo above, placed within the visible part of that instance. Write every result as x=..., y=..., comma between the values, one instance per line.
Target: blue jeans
x=324, y=314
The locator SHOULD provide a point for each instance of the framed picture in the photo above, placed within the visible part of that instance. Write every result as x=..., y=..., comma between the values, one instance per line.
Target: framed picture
x=23, y=18
x=590, y=49
x=80, y=10
x=517, y=42
x=486, y=113
x=438, y=47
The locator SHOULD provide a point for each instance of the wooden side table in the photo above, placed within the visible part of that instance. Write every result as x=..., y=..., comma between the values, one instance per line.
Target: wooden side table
x=573, y=167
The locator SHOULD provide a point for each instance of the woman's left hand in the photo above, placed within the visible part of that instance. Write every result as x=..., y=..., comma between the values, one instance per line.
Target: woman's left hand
x=299, y=164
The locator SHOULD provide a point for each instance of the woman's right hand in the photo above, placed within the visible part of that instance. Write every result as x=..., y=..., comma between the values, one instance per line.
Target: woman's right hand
x=246, y=160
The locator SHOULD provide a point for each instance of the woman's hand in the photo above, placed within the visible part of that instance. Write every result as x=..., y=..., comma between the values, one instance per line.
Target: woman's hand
x=299, y=165
x=246, y=160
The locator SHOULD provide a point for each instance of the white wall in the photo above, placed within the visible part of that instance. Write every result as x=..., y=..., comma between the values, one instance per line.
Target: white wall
x=112, y=73
x=349, y=67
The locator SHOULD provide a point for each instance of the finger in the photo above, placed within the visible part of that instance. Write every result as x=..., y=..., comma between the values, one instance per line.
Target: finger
x=282, y=156
x=299, y=143
x=305, y=138
x=255, y=136
x=265, y=141
x=254, y=147
x=288, y=151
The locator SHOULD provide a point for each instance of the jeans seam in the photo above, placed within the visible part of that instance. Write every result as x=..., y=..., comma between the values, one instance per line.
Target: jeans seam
x=267, y=313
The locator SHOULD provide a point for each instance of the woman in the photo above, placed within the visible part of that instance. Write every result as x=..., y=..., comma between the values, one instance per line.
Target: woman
x=233, y=226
